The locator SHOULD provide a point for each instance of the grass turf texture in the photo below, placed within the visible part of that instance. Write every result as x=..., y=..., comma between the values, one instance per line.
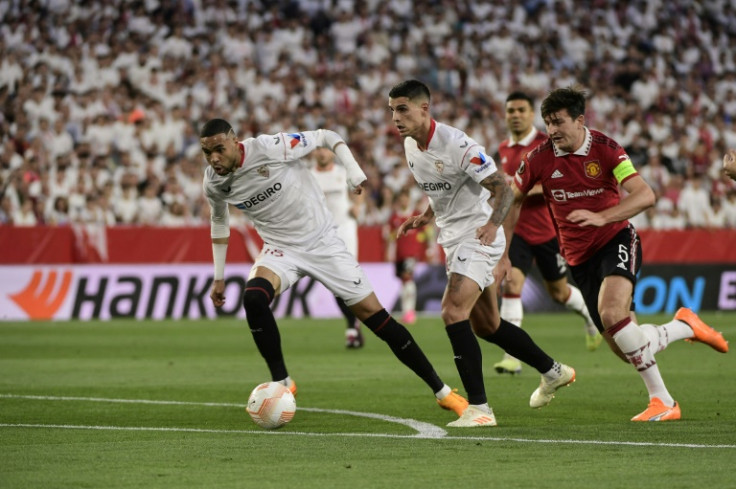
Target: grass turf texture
x=583, y=439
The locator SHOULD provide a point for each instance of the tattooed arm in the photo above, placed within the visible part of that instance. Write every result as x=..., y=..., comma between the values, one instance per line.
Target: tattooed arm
x=502, y=197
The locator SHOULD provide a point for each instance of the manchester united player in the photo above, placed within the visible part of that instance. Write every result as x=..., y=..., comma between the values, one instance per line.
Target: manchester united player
x=580, y=171
x=267, y=178
x=469, y=198
x=534, y=239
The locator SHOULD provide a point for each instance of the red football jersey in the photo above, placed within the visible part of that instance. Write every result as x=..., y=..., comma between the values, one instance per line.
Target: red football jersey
x=580, y=180
x=535, y=223
x=413, y=244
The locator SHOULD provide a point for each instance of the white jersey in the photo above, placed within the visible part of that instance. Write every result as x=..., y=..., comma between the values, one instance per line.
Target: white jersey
x=275, y=190
x=333, y=183
x=449, y=171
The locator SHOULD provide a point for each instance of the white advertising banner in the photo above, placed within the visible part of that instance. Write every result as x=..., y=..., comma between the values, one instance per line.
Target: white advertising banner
x=63, y=292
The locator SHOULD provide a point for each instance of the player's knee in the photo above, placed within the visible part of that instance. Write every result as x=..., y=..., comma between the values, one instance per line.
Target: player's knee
x=258, y=295
x=612, y=315
x=452, y=315
x=559, y=294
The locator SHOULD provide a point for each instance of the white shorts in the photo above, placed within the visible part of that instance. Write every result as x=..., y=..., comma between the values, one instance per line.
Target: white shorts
x=474, y=260
x=329, y=263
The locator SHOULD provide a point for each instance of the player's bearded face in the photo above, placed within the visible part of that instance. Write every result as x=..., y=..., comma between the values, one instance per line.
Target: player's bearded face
x=221, y=152
x=565, y=132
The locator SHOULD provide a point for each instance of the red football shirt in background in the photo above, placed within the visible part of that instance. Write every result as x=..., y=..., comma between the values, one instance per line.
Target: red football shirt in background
x=413, y=244
x=535, y=223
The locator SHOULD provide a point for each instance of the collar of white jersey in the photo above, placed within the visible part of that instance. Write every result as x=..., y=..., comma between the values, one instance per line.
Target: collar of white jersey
x=432, y=127
x=525, y=141
x=584, y=148
x=242, y=154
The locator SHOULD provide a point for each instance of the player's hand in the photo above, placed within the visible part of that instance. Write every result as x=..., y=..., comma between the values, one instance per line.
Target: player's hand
x=486, y=234
x=358, y=188
x=729, y=163
x=217, y=294
x=583, y=217
x=413, y=222
x=502, y=270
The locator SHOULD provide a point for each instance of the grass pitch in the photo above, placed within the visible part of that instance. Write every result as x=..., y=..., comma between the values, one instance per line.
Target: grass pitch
x=160, y=404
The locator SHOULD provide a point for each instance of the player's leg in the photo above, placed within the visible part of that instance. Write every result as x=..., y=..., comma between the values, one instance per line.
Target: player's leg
x=512, y=308
x=370, y=311
x=553, y=269
x=348, y=232
x=615, y=297
x=340, y=272
x=615, y=267
x=353, y=336
x=260, y=290
x=408, y=294
x=457, y=302
x=686, y=325
x=489, y=326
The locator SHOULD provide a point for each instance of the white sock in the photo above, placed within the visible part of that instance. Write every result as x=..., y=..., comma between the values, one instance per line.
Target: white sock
x=553, y=373
x=576, y=303
x=662, y=335
x=444, y=392
x=483, y=407
x=512, y=310
x=408, y=296
x=635, y=345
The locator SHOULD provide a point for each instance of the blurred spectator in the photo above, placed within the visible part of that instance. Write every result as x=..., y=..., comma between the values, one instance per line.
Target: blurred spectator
x=729, y=209
x=25, y=214
x=150, y=207
x=694, y=202
x=58, y=214
x=716, y=215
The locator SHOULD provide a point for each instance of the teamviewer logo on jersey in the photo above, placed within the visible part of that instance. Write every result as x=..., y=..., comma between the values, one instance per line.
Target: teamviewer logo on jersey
x=559, y=195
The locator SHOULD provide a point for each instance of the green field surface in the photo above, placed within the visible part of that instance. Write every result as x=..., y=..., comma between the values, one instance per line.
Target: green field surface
x=160, y=404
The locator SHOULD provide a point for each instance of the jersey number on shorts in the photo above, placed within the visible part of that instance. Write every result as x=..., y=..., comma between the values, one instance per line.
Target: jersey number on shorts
x=623, y=256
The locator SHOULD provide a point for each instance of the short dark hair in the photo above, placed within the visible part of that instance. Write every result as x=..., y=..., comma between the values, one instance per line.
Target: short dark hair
x=519, y=95
x=410, y=89
x=215, y=126
x=570, y=98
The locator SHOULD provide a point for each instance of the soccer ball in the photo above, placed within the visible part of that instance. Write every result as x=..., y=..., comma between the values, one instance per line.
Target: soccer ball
x=271, y=405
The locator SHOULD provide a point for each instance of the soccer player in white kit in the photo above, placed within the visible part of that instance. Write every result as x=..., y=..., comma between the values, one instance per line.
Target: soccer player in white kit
x=267, y=178
x=469, y=199
x=332, y=179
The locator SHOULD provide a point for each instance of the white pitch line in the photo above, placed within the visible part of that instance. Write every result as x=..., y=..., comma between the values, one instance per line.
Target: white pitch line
x=434, y=433
x=424, y=430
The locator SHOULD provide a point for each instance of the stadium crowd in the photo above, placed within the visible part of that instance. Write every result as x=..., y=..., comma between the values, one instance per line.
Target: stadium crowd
x=101, y=102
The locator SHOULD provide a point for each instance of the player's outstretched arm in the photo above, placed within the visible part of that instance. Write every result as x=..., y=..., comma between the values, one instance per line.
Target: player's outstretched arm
x=219, y=255
x=415, y=222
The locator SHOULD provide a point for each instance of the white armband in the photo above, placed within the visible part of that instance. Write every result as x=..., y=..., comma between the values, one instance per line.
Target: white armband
x=219, y=254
